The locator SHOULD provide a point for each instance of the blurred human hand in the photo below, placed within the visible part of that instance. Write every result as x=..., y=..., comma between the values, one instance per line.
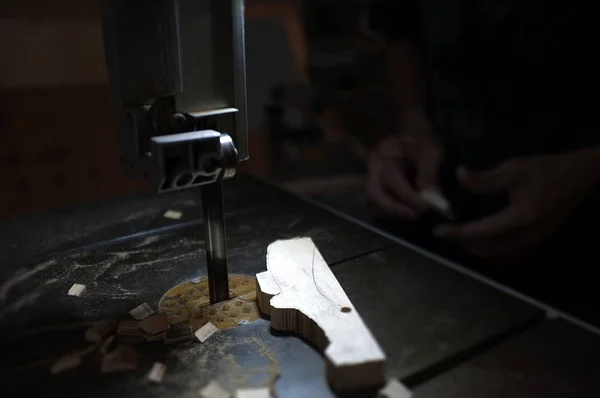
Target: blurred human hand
x=391, y=188
x=544, y=192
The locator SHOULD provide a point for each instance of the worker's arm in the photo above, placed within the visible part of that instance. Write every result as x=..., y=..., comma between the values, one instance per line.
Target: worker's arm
x=545, y=192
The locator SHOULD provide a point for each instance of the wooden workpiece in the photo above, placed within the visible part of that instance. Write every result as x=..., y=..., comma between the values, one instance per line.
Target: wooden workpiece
x=154, y=324
x=301, y=295
x=142, y=311
x=205, y=332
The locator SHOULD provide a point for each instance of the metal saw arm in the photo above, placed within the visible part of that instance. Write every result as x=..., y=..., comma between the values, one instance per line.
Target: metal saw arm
x=177, y=75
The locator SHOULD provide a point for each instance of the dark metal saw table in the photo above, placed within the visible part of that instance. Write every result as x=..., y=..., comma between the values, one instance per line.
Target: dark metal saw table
x=445, y=334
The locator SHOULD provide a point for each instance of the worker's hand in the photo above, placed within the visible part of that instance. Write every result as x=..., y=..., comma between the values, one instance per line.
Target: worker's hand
x=391, y=187
x=544, y=193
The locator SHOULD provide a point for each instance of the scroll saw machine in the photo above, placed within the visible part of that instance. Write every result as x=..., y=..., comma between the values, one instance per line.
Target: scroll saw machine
x=177, y=76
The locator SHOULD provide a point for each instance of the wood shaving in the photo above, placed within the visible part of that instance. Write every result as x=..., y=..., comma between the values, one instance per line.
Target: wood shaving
x=173, y=214
x=395, y=389
x=76, y=290
x=262, y=392
x=214, y=390
x=157, y=372
x=205, y=332
x=142, y=311
x=99, y=331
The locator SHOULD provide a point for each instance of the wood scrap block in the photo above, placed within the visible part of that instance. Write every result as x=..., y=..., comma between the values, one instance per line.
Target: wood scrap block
x=127, y=325
x=438, y=202
x=99, y=331
x=76, y=290
x=157, y=372
x=155, y=324
x=395, y=389
x=304, y=297
x=214, y=390
x=173, y=214
x=205, y=332
x=259, y=392
x=178, y=335
x=128, y=331
x=141, y=311
x=121, y=359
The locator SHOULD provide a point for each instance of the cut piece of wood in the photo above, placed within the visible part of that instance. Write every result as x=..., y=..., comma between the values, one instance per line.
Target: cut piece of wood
x=205, y=332
x=157, y=372
x=155, y=324
x=173, y=214
x=76, y=290
x=304, y=297
x=142, y=311
x=100, y=330
x=259, y=392
x=214, y=390
x=119, y=360
x=438, y=202
x=395, y=389
x=128, y=331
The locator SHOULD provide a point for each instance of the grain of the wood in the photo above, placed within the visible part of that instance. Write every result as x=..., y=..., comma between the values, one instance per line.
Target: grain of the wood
x=260, y=392
x=302, y=295
x=173, y=214
x=157, y=372
x=99, y=331
x=395, y=389
x=205, y=332
x=268, y=289
x=214, y=390
x=76, y=290
x=155, y=324
x=141, y=311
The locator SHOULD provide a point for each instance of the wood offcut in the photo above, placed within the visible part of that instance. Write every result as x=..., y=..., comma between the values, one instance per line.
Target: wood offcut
x=394, y=389
x=301, y=295
x=214, y=390
x=205, y=332
x=76, y=290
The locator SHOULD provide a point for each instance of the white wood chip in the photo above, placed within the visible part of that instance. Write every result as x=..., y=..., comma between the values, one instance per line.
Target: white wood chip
x=395, y=389
x=262, y=392
x=214, y=390
x=65, y=363
x=157, y=372
x=142, y=311
x=205, y=332
x=173, y=214
x=438, y=202
x=76, y=290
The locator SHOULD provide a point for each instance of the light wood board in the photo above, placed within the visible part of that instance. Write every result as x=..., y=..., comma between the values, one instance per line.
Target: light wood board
x=301, y=295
